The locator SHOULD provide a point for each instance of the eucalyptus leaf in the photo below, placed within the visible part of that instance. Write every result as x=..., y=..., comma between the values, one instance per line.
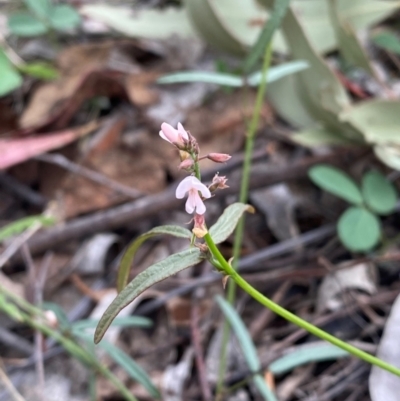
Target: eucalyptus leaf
x=248, y=348
x=379, y=193
x=24, y=24
x=127, y=258
x=227, y=223
x=336, y=182
x=358, y=229
x=146, y=23
x=155, y=273
x=63, y=17
x=10, y=79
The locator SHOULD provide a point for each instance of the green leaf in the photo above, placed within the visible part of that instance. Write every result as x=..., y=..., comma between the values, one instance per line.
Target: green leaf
x=271, y=25
x=41, y=8
x=64, y=17
x=131, y=367
x=358, y=229
x=336, y=182
x=377, y=119
x=17, y=227
x=388, y=41
x=10, y=79
x=127, y=363
x=278, y=72
x=320, y=136
x=146, y=23
x=39, y=70
x=129, y=321
x=388, y=154
x=232, y=80
x=379, y=193
x=24, y=24
x=318, y=352
x=127, y=258
x=248, y=348
x=225, y=225
x=155, y=273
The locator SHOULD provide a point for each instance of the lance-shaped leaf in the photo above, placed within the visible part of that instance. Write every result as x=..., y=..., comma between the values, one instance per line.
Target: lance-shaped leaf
x=127, y=258
x=225, y=225
x=248, y=348
x=155, y=273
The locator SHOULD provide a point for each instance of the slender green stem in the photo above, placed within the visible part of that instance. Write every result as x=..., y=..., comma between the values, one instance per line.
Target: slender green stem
x=292, y=317
x=36, y=321
x=244, y=189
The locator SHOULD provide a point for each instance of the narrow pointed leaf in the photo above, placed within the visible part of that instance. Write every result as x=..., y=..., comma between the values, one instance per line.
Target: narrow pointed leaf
x=272, y=24
x=379, y=193
x=336, y=182
x=226, y=224
x=155, y=273
x=128, y=321
x=127, y=258
x=248, y=348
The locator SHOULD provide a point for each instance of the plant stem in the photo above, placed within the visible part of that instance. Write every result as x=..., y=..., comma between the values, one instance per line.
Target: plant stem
x=37, y=322
x=263, y=300
x=244, y=189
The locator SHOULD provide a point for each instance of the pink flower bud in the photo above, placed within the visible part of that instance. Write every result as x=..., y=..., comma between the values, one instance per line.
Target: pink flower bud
x=186, y=164
x=200, y=228
x=177, y=137
x=218, y=157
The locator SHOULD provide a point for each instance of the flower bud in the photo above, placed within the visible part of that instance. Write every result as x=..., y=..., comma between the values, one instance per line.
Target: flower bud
x=218, y=182
x=218, y=157
x=186, y=164
x=200, y=228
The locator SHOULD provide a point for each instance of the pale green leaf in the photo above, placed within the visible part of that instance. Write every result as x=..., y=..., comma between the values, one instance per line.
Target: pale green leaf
x=127, y=258
x=146, y=23
x=358, y=229
x=308, y=353
x=41, y=8
x=377, y=119
x=388, y=154
x=320, y=136
x=219, y=78
x=379, y=193
x=248, y=348
x=265, y=37
x=155, y=273
x=19, y=226
x=387, y=40
x=10, y=79
x=226, y=224
x=336, y=182
x=24, y=24
x=128, y=321
x=64, y=18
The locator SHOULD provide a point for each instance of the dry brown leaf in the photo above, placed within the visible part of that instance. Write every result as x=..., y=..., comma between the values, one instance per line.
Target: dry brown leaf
x=14, y=151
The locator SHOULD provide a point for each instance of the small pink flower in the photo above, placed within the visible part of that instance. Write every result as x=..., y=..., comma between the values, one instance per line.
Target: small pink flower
x=193, y=186
x=172, y=135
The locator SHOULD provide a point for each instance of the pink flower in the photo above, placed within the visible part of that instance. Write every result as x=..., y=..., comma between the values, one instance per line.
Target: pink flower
x=172, y=135
x=193, y=186
x=218, y=157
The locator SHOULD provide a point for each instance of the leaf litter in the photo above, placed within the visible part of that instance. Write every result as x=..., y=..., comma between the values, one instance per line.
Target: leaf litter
x=87, y=143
